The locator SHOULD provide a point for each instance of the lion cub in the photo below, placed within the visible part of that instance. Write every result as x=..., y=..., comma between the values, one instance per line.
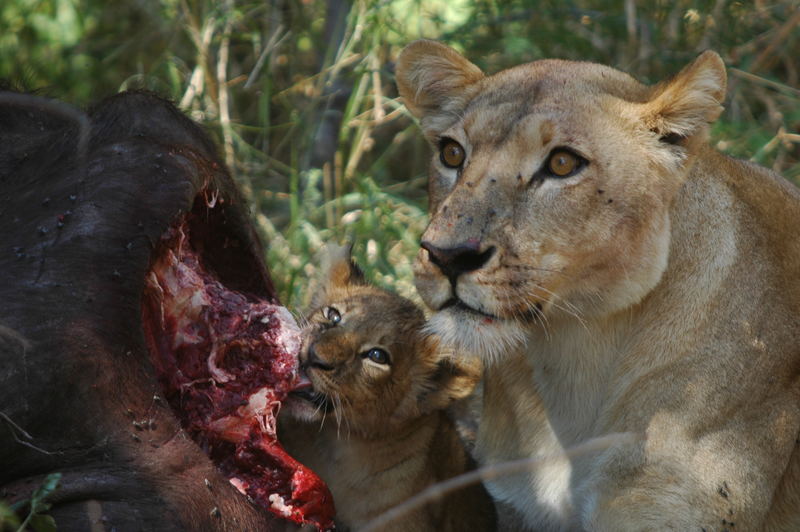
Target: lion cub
x=371, y=422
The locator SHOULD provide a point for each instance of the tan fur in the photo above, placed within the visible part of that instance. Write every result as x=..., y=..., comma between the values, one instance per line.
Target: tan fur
x=655, y=291
x=387, y=436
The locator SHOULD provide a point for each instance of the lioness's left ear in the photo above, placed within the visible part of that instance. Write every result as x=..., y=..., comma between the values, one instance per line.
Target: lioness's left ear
x=434, y=82
x=689, y=102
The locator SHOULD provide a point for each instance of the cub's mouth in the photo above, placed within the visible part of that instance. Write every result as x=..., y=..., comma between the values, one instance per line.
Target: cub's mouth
x=306, y=395
x=225, y=353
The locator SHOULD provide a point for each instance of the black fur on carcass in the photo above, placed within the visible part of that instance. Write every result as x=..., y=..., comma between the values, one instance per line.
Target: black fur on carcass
x=84, y=198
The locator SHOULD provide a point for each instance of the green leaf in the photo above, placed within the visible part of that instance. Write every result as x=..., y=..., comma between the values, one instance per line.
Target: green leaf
x=35, y=519
x=8, y=519
x=47, y=487
x=43, y=523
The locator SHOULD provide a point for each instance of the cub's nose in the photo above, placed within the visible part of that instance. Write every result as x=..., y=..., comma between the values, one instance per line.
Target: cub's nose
x=313, y=361
x=462, y=258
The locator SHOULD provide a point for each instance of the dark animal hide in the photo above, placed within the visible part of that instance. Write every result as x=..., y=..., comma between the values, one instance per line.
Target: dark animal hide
x=84, y=200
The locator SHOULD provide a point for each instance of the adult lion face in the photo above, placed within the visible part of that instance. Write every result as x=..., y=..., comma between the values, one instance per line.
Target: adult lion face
x=549, y=188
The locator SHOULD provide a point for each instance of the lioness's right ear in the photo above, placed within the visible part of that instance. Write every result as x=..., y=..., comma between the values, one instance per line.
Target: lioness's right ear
x=686, y=104
x=434, y=81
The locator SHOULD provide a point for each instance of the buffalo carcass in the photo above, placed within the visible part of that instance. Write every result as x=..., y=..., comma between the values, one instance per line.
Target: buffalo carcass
x=142, y=350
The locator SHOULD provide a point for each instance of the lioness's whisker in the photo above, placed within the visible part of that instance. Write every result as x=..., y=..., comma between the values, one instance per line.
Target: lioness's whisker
x=566, y=307
x=542, y=318
x=525, y=267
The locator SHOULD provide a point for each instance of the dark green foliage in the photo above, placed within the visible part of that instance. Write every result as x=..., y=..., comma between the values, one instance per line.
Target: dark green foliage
x=34, y=509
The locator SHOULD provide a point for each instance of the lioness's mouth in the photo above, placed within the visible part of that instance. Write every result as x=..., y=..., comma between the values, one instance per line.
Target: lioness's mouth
x=533, y=314
x=455, y=302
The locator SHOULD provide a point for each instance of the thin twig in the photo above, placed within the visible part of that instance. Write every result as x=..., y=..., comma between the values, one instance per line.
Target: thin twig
x=437, y=491
x=196, y=81
x=327, y=188
x=777, y=39
x=303, y=83
x=764, y=81
x=222, y=73
x=377, y=92
x=781, y=137
x=275, y=40
x=359, y=120
x=16, y=429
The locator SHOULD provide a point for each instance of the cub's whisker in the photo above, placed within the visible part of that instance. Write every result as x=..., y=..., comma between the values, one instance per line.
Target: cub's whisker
x=348, y=405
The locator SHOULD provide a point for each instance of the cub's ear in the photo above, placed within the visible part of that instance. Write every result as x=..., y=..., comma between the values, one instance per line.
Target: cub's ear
x=454, y=378
x=434, y=81
x=338, y=271
x=686, y=104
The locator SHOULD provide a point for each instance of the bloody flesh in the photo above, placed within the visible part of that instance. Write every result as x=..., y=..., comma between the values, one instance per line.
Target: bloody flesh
x=225, y=360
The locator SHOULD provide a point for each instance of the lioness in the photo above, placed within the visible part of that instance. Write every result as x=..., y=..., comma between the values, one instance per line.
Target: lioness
x=621, y=276
x=372, y=421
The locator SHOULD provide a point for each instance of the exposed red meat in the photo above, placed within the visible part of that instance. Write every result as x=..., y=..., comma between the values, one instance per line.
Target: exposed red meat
x=226, y=359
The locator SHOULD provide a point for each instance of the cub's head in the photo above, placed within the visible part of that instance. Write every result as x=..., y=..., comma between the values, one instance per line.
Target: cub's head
x=370, y=363
x=550, y=187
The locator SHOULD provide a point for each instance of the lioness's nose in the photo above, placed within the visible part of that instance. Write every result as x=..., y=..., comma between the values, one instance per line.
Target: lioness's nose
x=460, y=259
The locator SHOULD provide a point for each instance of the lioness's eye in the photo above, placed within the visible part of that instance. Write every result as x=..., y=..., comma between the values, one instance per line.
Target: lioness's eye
x=451, y=153
x=377, y=355
x=332, y=315
x=563, y=163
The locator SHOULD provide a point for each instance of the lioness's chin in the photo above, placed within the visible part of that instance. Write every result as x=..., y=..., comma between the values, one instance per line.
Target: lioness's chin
x=486, y=337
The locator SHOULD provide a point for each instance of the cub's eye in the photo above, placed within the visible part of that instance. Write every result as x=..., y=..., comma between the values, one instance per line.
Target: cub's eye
x=332, y=315
x=564, y=163
x=377, y=355
x=451, y=153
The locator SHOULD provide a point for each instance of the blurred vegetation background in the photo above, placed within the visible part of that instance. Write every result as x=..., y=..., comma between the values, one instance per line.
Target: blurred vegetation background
x=301, y=98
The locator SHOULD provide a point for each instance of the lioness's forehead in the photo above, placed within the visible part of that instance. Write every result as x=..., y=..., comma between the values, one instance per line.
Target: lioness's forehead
x=507, y=98
x=553, y=77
